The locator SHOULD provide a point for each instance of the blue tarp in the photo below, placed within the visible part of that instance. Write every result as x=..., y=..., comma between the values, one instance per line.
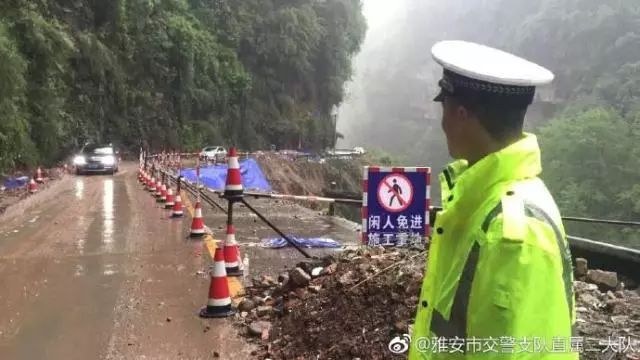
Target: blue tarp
x=14, y=183
x=215, y=176
x=302, y=242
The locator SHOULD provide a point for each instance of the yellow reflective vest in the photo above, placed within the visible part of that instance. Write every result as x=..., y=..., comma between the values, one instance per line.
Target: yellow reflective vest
x=498, y=282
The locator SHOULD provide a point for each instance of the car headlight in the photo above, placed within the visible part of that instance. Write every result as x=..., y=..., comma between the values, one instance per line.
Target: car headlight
x=79, y=160
x=109, y=160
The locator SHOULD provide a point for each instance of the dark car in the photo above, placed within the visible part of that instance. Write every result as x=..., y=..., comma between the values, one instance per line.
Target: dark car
x=95, y=158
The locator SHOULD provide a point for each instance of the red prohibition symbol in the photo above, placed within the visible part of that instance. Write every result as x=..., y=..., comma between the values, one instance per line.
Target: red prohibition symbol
x=395, y=193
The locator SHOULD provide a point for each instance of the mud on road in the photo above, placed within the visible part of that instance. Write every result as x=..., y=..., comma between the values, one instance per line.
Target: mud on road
x=93, y=268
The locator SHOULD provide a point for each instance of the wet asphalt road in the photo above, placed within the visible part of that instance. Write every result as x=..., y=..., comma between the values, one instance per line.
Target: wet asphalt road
x=93, y=268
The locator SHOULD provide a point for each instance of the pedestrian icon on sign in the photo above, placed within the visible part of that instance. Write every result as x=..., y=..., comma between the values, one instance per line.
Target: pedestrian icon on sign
x=395, y=208
x=395, y=193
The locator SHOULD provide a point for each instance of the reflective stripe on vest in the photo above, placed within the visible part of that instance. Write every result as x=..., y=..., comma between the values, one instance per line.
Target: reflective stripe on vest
x=539, y=214
x=447, y=176
x=457, y=323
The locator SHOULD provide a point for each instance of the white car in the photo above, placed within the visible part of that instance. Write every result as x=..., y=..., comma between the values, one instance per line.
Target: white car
x=213, y=153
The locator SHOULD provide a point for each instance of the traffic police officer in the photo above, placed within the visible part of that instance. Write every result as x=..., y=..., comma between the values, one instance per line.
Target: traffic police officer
x=498, y=282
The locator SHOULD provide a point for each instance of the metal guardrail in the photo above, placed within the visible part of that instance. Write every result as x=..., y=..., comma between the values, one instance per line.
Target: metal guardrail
x=601, y=221
x=606, y=256
x=615, y=251
x=191, y=188
x=623, y=260
x=601, y=255
x=356, y=199
x=298, y=198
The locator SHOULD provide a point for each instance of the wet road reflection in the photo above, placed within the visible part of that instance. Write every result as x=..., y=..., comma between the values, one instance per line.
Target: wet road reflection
x=79, y=189
x=80, y=246
x=104, y=259
x=107, y=215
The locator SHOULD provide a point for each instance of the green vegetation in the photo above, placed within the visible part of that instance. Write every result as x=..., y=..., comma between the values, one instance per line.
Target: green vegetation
x=171, y=73
x=587, y=122
x=592, y=165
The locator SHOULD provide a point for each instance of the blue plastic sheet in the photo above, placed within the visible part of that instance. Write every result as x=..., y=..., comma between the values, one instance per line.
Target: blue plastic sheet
x=14, y=183
x=277, y=243
x=215, y=176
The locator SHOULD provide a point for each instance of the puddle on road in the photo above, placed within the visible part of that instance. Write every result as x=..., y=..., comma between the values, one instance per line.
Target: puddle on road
x=79, y=270
x=109, y=269
x=80, y=246
x=79, y=189
x=107, y=215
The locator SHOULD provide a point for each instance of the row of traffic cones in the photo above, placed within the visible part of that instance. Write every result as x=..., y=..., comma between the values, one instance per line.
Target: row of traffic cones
x=219, y=302
x=227, y=257
x=171, y=160
x=32, y=186
x=155, y=187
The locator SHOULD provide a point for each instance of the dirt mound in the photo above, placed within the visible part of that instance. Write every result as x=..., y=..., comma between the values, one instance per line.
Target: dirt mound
x=353, y=306
x=302, y=177
x=607, y=315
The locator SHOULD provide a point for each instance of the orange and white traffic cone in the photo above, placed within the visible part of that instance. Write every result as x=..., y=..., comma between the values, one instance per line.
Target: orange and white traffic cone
x=33, y=187
x=233, y=187
x=158, y=190
x=231, y=253
x=39, y=179
x=152, y=185
x=163, y=193
x=168, y=203
x=219, y=302
x=177, y=207
x=197, y=224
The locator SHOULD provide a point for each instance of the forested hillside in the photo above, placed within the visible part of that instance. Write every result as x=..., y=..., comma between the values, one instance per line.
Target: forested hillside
x=588, y=122
x=171, y=73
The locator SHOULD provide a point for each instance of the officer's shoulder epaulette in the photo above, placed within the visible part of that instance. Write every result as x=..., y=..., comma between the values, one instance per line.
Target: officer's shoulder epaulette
x=514, y=220
x=511, y=208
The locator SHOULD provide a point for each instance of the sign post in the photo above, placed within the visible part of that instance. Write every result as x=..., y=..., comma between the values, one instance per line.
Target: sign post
x=395, y=206
x=198, y=180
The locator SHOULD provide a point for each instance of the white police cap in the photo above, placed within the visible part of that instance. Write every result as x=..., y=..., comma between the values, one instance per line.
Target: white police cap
x=479, y=70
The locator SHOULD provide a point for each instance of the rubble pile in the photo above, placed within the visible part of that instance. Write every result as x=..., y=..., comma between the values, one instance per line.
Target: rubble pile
x=351, y=307
x=335, y=308
x=608, y=315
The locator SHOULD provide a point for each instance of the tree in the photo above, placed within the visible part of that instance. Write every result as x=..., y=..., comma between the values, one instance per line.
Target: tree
x=171, y=73
x=592, y=167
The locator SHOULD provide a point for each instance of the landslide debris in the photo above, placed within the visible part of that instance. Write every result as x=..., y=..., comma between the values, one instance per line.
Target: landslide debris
x=351, y=306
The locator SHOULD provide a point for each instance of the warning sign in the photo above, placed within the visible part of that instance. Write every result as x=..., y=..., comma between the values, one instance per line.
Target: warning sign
x=395, y=193
x=395, y=209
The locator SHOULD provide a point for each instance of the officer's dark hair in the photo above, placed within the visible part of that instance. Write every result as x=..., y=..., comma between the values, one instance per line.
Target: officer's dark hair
x=501, y=118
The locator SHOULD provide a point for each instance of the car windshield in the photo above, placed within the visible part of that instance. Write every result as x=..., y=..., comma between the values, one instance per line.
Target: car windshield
x=99, y=150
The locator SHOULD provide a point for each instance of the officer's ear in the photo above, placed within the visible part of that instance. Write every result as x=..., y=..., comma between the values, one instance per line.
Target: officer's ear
x=457, y=110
